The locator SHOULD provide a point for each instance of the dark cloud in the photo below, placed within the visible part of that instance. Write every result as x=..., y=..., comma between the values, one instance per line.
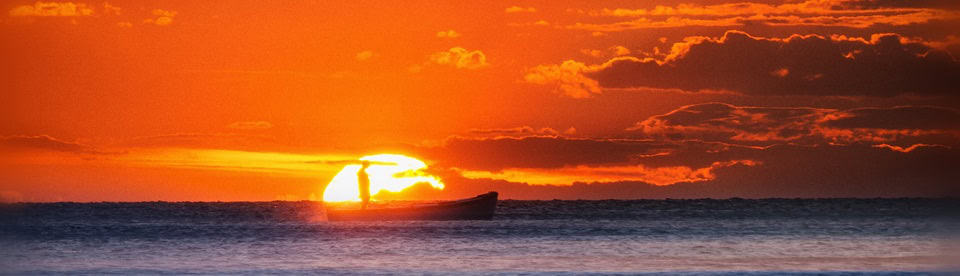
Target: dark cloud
x=884, y=65
x=700, y=135
x=903, y=126
x=874, y=4
x=903, y=117
x=841, y=15
x=42, y=142
x=734, y=151
x=493, y=154
x=836, y=171
x=512, y=132
x=724, y=122
x=787, y=171
x=496, y=154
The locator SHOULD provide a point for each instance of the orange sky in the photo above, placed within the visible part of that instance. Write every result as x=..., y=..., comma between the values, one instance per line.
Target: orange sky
x=254, y=100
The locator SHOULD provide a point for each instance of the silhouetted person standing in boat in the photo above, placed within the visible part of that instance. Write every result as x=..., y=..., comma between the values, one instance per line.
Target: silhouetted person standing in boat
x=364, y=181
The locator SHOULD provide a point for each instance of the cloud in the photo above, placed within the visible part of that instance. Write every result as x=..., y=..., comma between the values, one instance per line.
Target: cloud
x=849, y=14
x=724, y=122
x=161, y=17
x=518, y=132
x=518, y=9
x=603, y=169
x=52, y=9
x=619, y=50
x=906, y=149
x=904, y=126
x=111, y=9
x=659, y=176
x=448, y=34
x=42, y=142
x=460, y=58
x=538, y=23
x=810, y=7
x=251, y=125
x=646, y=23
x=882, y=65
x=568, y=77
x=502, y=152
x=874, y=4
x=613, y=51
x=105, y=13
x=556, y=160
x=901, y=117
x=364, y=55
x=593, y=52
x=717, y=150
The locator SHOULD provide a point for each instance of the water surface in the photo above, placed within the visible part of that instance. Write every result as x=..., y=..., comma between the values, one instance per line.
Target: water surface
x=736, y=236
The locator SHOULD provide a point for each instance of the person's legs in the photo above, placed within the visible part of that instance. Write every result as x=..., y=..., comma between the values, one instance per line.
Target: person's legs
x=365, y=200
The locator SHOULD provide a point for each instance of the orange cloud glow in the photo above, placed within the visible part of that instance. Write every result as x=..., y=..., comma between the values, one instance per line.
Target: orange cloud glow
x=448, y=34
x=568, y=76
x=586, y=174
x=161, y=17
x=519, y=9
x=39, y=8
x=460, y=58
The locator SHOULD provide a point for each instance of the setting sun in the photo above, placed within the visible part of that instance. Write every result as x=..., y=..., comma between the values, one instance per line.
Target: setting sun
x=390, y=172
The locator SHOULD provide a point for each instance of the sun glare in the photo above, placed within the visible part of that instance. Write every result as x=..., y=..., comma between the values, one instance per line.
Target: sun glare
x=390, y=172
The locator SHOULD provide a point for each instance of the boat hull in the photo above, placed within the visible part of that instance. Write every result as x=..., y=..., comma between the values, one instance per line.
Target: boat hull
x=481, y=207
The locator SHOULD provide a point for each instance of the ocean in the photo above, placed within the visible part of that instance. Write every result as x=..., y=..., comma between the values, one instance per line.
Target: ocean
x=692, y=237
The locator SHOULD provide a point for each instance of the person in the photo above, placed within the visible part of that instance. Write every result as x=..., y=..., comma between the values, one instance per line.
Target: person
x=363, y=180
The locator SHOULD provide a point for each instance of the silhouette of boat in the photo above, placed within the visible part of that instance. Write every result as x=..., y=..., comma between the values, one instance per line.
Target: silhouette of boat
x=480, y=207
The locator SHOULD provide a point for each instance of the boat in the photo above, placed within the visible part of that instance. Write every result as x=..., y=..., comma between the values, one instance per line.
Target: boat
x=480, y=207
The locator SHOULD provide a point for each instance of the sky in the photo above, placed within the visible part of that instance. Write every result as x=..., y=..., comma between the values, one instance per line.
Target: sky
x=269, y=100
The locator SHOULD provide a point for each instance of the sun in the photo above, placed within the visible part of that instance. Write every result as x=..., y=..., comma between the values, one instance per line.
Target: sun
x=391, y=172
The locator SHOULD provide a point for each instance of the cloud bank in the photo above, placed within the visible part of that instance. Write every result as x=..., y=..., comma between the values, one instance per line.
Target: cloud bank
x=882, y=65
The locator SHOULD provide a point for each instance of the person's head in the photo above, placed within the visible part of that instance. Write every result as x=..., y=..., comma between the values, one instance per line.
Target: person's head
x=364, y=164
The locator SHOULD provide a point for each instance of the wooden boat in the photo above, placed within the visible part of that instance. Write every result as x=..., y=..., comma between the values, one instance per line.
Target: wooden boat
x=480, y=207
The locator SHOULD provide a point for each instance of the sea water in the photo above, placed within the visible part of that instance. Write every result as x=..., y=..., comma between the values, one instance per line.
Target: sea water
x=733, y=236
